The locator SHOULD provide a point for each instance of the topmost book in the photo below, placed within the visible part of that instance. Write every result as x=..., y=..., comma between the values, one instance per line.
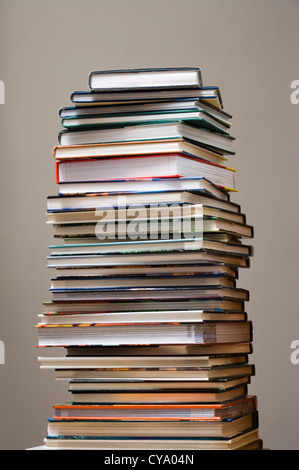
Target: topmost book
x=149, y=78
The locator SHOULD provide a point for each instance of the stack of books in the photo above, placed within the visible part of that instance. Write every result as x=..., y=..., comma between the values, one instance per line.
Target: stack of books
x=148, y=245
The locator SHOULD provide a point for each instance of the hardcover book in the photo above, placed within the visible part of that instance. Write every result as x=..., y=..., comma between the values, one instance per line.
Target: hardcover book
x=176, y=77
x=209, y=94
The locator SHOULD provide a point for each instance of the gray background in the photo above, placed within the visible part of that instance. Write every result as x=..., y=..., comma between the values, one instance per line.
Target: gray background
x=247, y=47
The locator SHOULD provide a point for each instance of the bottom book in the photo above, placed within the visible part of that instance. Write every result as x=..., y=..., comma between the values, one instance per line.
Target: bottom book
x=245, y=441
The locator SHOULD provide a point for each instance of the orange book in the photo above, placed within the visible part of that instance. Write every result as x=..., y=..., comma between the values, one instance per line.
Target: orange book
x=153, y=412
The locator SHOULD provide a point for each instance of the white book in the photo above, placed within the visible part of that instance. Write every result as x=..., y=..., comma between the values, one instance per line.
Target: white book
x=151, y=166
x=154, y=131
x=145, y=78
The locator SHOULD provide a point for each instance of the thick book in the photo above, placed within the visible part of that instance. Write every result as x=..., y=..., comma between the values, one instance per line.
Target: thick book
x=208, y=94
x=145, y=78
x=150, y=147
x=145, y=166
x=221, y=143
x=217, y=412
x=132, y=428
x=144, y=333
x=244, y=441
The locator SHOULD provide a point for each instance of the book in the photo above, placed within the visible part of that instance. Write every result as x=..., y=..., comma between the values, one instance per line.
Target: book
x=146, y=107
x=207, y=389
x=131, y=148
x=202, y=375
x=156, y=412
x=136, y=259
x=196, y=118
x=91, y=379
x=144, y=333
x=208, y=94
x=216, y=268
x=144, y=246
x=199, y=375
x=208, y=350
x=145, y=78
x=158, y=166
x=173, y=228
x=150, y=293
x=101, y=306
x=163, y=203
x=137, y=362
x=83, y=396
x=146, y=281
x=245, y=440
x=124, y=317
x=160, y=130
x=157, y=204
x=188, y=429
x=135, y=148
x=196, y=185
